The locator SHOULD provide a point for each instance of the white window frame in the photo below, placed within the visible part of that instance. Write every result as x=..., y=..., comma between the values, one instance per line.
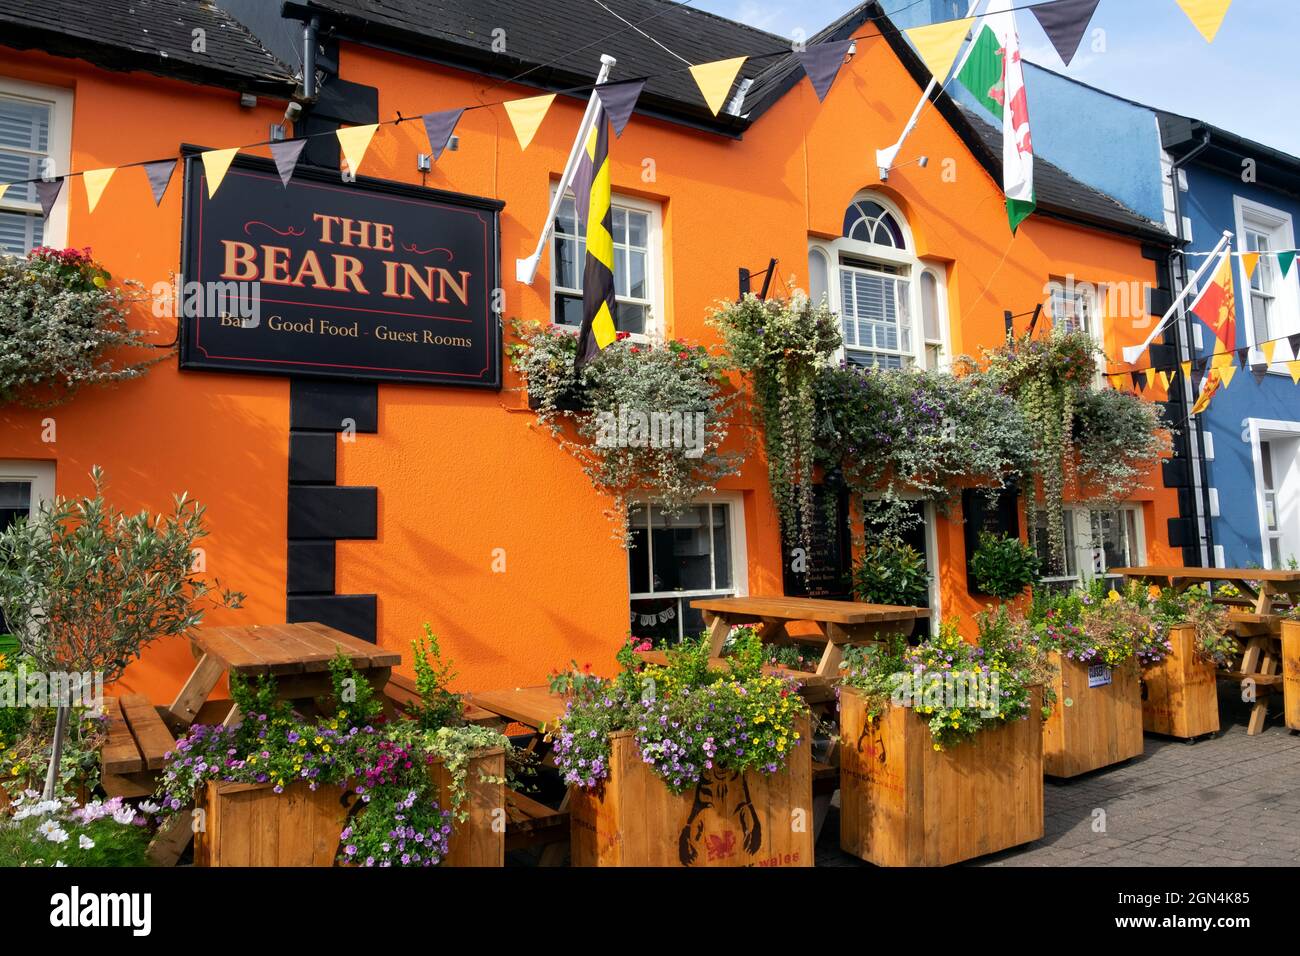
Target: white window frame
x=55, y=232
x=1097, y=295
x=735, y=501
x=40, y=474
x=1258, y=217
x=1262, y=430
x=1086, y=557
x=656, y=323
x=905, y=259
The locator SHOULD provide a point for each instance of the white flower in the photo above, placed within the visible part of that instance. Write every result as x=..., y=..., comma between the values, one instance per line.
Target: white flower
x=124, y=816
x=57, y=836
x=148, y=806
x=59, y=863
x=85, y=842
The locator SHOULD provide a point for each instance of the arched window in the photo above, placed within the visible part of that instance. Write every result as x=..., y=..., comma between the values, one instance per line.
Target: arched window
x=891, y=305
x=868, y=221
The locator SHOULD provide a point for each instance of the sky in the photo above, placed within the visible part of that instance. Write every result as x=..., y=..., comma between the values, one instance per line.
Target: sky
x=1245, y=82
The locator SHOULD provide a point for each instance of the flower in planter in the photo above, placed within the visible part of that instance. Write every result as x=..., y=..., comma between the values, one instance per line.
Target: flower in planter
x=689, y=720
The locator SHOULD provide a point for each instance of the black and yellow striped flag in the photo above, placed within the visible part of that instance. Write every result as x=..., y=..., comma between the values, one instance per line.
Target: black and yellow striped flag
x=598, y=271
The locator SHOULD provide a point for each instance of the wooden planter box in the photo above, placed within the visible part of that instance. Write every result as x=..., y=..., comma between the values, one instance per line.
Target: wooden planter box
x=252, y=825
x=728, y=820
x=481, y=839
x=903, y=803
x=1092, y=727
x=1180, y=695
x=1291, y=672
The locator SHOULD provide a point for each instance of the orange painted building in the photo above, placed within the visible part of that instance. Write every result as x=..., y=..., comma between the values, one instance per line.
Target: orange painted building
x=484, y=526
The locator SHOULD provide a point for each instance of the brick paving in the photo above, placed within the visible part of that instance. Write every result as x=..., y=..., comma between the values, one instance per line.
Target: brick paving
x=1227, y=800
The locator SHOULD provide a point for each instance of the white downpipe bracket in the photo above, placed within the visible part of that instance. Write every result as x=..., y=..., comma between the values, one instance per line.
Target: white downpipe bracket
x=526, y=269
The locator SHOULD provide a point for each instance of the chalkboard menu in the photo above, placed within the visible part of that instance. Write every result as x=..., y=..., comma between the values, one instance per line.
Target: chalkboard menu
x=825, y=571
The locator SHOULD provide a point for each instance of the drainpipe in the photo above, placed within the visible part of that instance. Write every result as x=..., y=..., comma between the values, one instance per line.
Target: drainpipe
x=309, y=30
x=1178, y=270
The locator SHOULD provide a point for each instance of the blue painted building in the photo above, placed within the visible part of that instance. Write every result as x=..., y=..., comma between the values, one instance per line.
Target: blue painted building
x=1237, y=465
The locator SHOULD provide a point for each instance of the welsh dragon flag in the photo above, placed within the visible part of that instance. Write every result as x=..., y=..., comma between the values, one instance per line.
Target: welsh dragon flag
x=993, y=73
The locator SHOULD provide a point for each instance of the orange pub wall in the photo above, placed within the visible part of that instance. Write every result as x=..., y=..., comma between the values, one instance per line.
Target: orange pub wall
x=464, y=473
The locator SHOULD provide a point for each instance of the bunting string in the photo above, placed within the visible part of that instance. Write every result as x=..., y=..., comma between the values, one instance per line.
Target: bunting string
x=714, y=80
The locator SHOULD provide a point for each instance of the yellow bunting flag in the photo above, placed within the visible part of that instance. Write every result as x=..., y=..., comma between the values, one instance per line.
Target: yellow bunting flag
x=1116, y=382
x=1293, y=367
x=1187, y=370
x=1166, y=379
x=4, y=188
x=95, y=180
x=937, y=44
x=1151, y=377
x=1206, y=15
x=526, y=116
x=1226, y=369
x=215, y=164
x=1251, y=261
x=354, y=141
x=715, y=79
x=1268, y=348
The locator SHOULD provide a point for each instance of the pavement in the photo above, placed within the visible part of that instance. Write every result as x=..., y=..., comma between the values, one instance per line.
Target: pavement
x=1226, y=800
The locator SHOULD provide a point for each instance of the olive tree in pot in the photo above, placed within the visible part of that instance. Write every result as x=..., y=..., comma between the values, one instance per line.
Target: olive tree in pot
x=85, y=587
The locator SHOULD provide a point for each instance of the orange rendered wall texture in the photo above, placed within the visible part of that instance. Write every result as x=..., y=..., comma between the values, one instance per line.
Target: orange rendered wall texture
x=464, y=473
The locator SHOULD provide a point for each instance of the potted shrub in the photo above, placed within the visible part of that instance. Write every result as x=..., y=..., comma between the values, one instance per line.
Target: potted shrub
x=686, y=765
x=891, y=571
x=1003, y=566
x=85, y=587
x=941, y=747
x=1180, y=691
x=1095, y=640
x=62, y=323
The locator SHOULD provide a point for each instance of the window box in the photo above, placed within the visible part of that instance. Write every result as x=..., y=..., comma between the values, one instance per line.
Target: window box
x=903, y=803
x=1180, y=696
x=728, y=820
x=1093, y=724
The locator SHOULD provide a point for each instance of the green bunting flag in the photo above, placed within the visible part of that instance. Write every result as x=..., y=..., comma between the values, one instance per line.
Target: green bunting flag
x=1284, y=260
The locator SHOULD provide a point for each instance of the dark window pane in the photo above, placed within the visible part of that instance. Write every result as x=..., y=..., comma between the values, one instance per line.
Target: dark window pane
x=681, y=550
x=568, y=309
x=15, y=502
x=631, y=318
x=655, y=619
x=638, y=554
x=721, y=546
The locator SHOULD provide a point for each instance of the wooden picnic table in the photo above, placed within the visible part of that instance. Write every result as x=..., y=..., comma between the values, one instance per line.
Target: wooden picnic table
x=534, y=707
x=296, y=655
x=1255, y=619
x=841, y=623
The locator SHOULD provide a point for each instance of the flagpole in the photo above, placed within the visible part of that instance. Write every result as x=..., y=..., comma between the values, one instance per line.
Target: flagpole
x=885, y=157
x=1132, y=352
x=526, y=269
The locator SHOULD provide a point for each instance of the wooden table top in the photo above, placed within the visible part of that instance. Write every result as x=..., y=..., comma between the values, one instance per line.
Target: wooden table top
x=530, y=706
x=288, y=648
x=809, y=609
x=1209, y=574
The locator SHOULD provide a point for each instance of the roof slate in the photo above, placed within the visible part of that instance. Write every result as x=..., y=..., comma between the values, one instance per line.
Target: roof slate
x=151, y=35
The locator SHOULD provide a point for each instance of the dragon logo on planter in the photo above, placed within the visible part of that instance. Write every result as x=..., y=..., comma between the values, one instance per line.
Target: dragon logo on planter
x=721, y=797
x=875, y=747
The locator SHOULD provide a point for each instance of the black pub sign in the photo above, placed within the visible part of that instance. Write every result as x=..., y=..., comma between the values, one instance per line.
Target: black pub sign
x=361, y=280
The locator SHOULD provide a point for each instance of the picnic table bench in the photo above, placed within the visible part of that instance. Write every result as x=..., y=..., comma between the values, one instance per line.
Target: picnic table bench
x=137, y=747
x=1254, y=616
